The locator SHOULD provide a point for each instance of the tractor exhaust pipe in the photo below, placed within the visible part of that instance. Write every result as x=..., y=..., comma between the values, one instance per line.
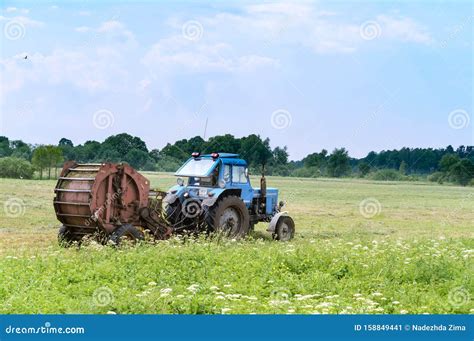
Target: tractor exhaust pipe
x=263, y=191
x=263, y=183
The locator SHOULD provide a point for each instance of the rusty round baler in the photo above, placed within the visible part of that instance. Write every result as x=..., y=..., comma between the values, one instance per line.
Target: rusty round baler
x=107, y=200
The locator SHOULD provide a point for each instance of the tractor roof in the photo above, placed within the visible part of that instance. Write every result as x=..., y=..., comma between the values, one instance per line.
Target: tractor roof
x=227, y=158
x=223, y=155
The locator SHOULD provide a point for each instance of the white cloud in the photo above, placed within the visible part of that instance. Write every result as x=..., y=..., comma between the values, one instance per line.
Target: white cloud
x=291, y=9
x=114, y=31
x=25, y=21
x=177, y=54
x=82, y=29
x=97, y=71
x=403, y=29
x=19, y=10
x=305, y=24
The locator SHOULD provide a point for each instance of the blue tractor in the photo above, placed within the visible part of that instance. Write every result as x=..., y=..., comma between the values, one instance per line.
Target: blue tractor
x=218, y=197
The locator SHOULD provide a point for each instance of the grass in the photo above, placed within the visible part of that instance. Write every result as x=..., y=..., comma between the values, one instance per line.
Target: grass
x=361, y=247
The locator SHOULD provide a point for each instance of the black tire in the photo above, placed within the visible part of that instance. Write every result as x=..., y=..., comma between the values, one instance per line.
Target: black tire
x=173, y=212
x=285, y=229
x=65, y=237
x=126, y=231
x=228, y=216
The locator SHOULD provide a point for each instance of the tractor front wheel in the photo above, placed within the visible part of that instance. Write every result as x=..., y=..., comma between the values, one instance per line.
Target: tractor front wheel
x=285, y=229
x=173, y=213
x=230, y=217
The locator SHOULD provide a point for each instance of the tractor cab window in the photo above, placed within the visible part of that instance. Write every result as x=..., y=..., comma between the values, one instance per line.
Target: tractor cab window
x=204, y=182
x=196, y=168
x=207, y=181
x=227, y=173
x=238, y=175
x=215, y=176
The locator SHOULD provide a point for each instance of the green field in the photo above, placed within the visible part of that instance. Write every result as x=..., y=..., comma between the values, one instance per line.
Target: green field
x=361, y=247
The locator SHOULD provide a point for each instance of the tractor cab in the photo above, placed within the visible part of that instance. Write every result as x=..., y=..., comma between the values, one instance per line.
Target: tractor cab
x=208, y=176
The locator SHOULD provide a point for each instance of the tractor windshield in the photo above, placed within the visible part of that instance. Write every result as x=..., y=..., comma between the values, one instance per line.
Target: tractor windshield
x=197, y=168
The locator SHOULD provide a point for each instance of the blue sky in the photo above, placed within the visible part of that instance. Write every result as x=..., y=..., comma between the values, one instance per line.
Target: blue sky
x=309, y=75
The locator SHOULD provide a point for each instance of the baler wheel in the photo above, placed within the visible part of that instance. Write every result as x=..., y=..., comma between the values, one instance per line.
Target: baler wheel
x=126, y=231
x=65, y=237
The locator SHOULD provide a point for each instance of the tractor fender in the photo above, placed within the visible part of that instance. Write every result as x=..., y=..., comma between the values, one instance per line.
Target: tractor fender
x=274, y=221
x=170, y=198
x=173, y=194
x=210, y=201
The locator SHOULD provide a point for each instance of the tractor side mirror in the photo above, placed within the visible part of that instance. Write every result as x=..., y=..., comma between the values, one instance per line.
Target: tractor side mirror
x=246, y=172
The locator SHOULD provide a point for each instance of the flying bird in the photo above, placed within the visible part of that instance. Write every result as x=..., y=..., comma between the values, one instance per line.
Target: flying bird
x=26, y=57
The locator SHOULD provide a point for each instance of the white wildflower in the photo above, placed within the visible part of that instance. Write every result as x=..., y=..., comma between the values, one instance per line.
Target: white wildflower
x=193, y=288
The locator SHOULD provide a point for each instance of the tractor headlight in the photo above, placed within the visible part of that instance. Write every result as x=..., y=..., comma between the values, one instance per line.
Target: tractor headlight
x=180, y=181
x=222, y=183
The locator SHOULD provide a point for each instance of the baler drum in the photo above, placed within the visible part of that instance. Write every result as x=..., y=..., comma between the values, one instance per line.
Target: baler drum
x=99, y=197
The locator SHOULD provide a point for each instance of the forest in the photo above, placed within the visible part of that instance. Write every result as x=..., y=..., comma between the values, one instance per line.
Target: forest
x=19, y=159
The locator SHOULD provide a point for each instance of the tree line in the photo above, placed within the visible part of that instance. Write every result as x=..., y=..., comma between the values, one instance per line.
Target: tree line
x=441, y=165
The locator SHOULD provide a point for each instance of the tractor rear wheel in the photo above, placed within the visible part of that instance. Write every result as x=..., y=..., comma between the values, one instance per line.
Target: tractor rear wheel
x=127, y=231
x=285, y=229
x=229, y=216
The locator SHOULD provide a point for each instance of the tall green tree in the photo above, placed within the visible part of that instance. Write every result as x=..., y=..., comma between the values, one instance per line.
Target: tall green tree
x=5, y=149
x=462, y=172
x=338, y=163
x=403, y=168
x=447, y=161
x=40, y=159
x=364, y=169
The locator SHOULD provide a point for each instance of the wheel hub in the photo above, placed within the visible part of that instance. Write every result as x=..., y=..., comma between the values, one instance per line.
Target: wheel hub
x=229, y=220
